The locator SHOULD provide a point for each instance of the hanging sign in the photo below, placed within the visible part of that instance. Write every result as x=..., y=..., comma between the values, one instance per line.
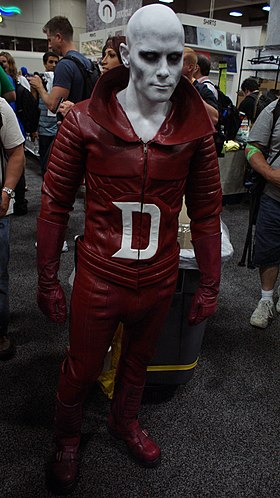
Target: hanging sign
x=102, y=14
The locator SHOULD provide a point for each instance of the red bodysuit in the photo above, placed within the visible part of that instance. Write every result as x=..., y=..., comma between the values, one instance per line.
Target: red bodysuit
x=128, y=259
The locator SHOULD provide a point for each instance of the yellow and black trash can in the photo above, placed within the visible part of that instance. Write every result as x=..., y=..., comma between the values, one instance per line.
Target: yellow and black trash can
x=179, y=344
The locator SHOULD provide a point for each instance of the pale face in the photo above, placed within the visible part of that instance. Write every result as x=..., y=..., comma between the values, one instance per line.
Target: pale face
x=110, y=60
x=51, y=63
x=155, y=61
x=4, y=62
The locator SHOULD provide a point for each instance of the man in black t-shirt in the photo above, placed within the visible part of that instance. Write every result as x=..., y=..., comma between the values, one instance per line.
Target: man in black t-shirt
x=250, y=89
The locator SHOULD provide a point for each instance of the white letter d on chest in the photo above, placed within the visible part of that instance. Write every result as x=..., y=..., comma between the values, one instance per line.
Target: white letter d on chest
x=126, y=251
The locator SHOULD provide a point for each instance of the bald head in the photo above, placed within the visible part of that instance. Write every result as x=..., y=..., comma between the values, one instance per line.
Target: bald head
x=155, y=20
x=153, y=54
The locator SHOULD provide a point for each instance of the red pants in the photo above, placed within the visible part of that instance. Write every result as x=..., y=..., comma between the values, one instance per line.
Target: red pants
x=97, y=307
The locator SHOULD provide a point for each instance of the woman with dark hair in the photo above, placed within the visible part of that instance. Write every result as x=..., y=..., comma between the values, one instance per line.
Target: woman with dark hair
x=111, y=53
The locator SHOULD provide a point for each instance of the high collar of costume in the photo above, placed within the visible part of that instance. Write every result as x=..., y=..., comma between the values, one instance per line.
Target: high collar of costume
x=188, y=119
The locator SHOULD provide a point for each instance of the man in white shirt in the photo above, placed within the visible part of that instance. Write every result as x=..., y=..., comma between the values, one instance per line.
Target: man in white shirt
x=11, y=140
x=202, y=71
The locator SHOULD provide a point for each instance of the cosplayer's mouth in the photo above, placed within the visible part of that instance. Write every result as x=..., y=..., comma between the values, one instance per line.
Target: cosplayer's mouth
x=162, y=87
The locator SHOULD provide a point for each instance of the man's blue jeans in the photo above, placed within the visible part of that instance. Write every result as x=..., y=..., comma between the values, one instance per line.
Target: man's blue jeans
x=4, y=275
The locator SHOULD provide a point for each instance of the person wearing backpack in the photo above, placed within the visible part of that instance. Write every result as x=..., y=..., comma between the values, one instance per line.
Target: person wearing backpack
x=263, y=154
x=255, y=100
x=202, y=73
x=189, y=68
x=75, y=74
x=250, y=89
x=110, y=58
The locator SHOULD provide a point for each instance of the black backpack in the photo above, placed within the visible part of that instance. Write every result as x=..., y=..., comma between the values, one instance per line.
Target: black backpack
x=27, y=109
x=229, y=120
x=90, y=74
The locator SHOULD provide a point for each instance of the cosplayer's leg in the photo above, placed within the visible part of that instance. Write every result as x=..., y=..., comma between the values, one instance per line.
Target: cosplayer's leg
x=92, y=327
x=139, y=342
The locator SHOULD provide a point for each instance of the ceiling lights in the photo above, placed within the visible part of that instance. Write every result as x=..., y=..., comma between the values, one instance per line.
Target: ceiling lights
x=167, y=1
x=235, y=13
x=266, y=7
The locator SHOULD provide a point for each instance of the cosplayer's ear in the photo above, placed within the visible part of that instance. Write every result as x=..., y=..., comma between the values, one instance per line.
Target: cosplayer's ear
x=124, y=52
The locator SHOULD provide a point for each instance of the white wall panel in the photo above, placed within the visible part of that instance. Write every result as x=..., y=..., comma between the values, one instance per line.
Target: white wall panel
x=75, y=10
x=29, y=24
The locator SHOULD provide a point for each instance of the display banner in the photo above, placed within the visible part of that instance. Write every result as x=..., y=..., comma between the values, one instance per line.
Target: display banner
x=102, y=14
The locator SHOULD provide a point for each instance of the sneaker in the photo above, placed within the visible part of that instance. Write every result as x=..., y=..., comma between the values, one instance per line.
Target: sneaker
x=262, y=314
x=277, y=306
x=65, y=247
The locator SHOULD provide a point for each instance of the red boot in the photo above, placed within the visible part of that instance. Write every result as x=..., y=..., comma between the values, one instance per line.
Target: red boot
x=123, y=424
x=63, y=469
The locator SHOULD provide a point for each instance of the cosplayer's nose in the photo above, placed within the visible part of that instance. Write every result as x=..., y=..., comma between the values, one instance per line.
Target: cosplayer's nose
x=163, y=69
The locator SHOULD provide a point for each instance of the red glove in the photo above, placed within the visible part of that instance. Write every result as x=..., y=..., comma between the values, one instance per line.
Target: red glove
x=208, y=256
x=50, y=296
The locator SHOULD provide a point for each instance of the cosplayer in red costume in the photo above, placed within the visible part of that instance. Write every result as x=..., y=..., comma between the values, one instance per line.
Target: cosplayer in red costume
x=128, y=258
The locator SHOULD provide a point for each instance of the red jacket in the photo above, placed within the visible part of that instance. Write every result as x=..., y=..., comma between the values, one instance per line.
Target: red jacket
x=134, y=191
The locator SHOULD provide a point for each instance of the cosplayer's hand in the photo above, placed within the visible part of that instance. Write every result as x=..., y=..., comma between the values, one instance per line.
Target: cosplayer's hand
x=208, y=256
x=51, y=301
x=50, y=296
x=204, y=303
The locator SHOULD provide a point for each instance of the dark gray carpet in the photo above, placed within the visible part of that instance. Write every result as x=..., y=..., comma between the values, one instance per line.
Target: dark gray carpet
x=219, y=433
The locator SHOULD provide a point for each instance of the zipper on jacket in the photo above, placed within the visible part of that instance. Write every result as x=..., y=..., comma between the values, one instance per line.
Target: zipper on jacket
x=145, y=150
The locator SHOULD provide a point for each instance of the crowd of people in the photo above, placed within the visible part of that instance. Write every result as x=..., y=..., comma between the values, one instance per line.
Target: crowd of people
x=154, y=101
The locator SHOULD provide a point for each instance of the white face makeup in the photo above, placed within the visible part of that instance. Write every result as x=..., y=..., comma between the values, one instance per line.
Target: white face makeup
x=155, y=54
x=156, y=65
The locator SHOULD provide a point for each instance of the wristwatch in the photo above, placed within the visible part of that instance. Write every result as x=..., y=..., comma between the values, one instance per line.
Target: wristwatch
x=9, y=191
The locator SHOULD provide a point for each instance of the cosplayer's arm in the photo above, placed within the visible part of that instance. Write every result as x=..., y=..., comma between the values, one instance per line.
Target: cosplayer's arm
x=61, y=182
x=204, y=204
